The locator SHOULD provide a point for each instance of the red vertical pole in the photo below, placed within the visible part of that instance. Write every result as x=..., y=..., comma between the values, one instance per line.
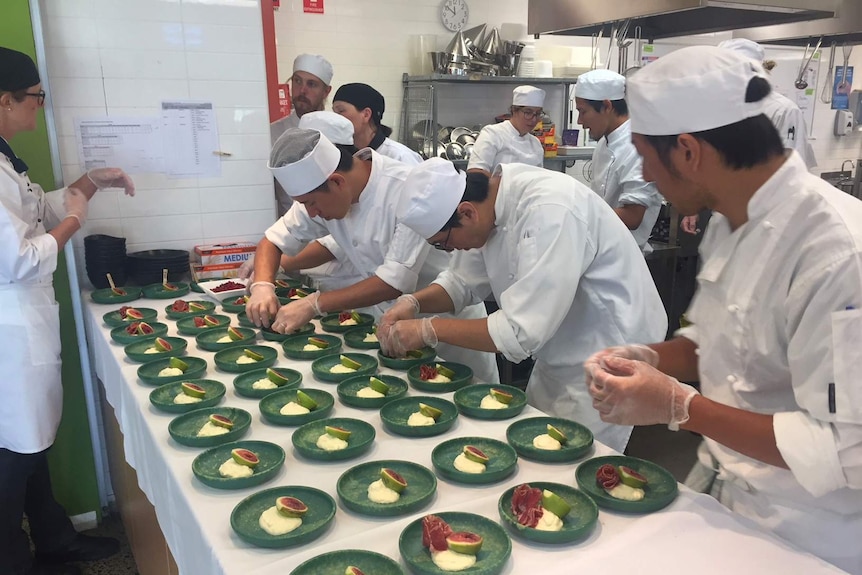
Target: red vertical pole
x=270, y=57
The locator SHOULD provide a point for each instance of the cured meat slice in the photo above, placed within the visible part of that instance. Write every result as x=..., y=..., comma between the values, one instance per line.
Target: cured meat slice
x=434, y=533
x=180, y=305
x=427, y=372
x=527, y=505
x=607, y=476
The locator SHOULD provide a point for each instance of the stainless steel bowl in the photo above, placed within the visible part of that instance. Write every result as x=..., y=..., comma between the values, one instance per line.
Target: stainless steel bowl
x=458, y=132
x=454, y=151
x=465, y=139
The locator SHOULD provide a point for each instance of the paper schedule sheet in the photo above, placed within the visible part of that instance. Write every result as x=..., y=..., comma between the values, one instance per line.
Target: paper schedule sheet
x=131, y=143
x=190, y=136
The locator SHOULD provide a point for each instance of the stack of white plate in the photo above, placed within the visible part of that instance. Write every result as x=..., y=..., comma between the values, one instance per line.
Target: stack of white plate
x=526, y=67
x=543, y=69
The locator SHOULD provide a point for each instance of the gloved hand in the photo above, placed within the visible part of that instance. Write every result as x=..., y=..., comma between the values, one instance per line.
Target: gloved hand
x=405, y=307
x=689, y=225
x=297, y=313
x=629, y=392
x=76, y=204
x=112, y=178
x=408, y=334
x=246, y=270
x=263, y=303
x=633, y=351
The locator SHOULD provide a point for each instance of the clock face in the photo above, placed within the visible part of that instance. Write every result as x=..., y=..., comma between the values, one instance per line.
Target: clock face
x=454, y=14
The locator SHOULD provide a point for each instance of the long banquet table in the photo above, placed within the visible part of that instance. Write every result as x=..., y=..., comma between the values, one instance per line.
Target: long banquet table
x=694, y=534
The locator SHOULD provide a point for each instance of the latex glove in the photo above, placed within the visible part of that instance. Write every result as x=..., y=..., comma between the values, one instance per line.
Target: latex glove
x=246, y=270
x=297, y=313
x=409, y=334
x=112, y=178
x=634, y=351
x=405, y=307
x=76, y=204
x=689, y=225
x=628, y=392
x=263, y=303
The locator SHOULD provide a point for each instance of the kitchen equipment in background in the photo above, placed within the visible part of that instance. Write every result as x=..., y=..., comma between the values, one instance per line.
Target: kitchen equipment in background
x=570, y=137
x=826, y=94
x=843, y=86
x=843, y=179
x=104, y=255
x=420, y=46
x=843, y=122
x=474, y=37
x=544, y=69
x=145, y=267
x=801, y=82
x=439, y=62
x=527, y=66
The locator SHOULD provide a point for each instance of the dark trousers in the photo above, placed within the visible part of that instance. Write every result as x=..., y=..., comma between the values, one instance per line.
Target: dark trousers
x=25, y=487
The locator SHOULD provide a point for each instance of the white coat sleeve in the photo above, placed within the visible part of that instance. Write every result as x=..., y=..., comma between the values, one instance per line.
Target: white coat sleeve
x=465, y=280
x=330, y=244
x=403, y=259
x=294, y=230
x=22, y=258
x=484, y=152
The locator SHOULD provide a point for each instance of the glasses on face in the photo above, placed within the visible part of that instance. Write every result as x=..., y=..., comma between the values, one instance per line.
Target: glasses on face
x=532, y=114
x=40, y=95
x=444, y=245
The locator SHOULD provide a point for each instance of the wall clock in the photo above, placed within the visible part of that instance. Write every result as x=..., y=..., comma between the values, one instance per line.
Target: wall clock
x=454, y=14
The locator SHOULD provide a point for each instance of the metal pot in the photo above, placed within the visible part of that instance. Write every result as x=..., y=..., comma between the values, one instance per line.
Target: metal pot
x=454, y=151
x=465, y=139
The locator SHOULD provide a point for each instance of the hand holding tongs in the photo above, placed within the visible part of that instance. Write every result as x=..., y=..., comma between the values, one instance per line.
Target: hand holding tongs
x=800, y=82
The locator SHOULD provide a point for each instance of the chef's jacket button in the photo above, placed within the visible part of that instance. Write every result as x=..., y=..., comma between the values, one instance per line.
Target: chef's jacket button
x=505, y=228
x=768, y=225
x=511, y=276
x=731, y=378
x=39, y=220
x=733, y=308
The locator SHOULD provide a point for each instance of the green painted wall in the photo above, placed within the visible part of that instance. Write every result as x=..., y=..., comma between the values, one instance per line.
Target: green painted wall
x=71, y=459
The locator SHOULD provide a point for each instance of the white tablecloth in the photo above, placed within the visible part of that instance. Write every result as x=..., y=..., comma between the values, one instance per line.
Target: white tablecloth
x=693, y=534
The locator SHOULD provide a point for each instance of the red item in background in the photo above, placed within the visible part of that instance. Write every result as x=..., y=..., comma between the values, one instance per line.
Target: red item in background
x=283, y=101
x=276, y=4
x=312, y=6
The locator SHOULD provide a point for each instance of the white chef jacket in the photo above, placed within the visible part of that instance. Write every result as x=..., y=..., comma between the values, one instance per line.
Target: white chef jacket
x=618, y=179
x=773, y=333
x=790, y=123
x=398, y=151
x=501, y=144
x=30, y=386
x=569, y=280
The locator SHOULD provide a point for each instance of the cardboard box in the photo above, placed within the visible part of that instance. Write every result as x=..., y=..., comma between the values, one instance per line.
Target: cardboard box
x=219, y=254
x=219, y=271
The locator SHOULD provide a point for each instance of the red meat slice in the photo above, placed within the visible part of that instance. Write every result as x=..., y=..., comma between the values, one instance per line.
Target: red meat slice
x=180, y=305
x=527, y=505
x=607, y=476
x=427, y=372
x=122, y=311
x=344, y=316
x=434, y=533
x=132, y=328
x=199, y=322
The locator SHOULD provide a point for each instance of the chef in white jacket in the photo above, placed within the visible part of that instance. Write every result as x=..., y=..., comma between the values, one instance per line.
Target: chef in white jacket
x=567, y=275
x=510, y=141
x=353, y=199
x=777, y=318
x=617, y=173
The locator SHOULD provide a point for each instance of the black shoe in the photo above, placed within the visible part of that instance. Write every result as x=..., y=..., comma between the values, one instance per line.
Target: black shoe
x=82, y=548
x=40, y=569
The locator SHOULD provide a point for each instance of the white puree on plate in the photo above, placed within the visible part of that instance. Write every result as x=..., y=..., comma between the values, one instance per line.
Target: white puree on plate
x=452, y=560
x=371, y=338
x=224, y=339
x=350, y=321
x=439, y=379
x=491, y=402
x=369, y=393
x=549, y=522
x=545, y=441
x=245, y=359
x=275, y=523
x=232, y=469
x=152, y=350
x=263, y=383
x=467, y=466
x=626, y=492
x=310, y=347
x=379, y=493
x=209, y=429
x=170, y=372
x=293, y=408
x=416, y=419
x=338, y=368
x=327, y=442
x=184, y=399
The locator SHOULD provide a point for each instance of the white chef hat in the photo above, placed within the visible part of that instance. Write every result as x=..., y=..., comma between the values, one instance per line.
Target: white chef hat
x=601, y=85
x=301, y=160
x=528, y=96
x=314, y=64
x=691, y=90
x=434, y=190
x=336, y=128
x=751, y=50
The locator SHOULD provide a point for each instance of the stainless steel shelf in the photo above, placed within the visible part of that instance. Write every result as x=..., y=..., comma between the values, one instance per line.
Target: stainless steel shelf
x=450, y=78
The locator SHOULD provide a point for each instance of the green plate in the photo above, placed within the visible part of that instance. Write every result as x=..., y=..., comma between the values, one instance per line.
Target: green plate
x=521, y=433
x=348, y=389
x=228, y=305
x=353, y=485
x=105, y=295
x=163, y=396
x=149, y=372
x=293, y=346
x=502, y=460
x=270, y=335
x=405, y=363
x=283, y=294
x=330, y=323
x=469, y=399
x=205, y=466
x=119, y=334
x=184, y=429
x=209, y=307
x=661, y=488
x=360, y=440
x=137, y=351
x=208, y=339
x=158, y=291
x=287, y=284
x=463, y=377
x=336, y=562
x=113, y=319
x=186, y=326
x=395, y=414
x=243, y=382
x=320, y=367
x=355, y=338
x=577, y=524
x=491, y=559
x=242, y=317
x=225, y=359
x=246, y=516
x=270, y=406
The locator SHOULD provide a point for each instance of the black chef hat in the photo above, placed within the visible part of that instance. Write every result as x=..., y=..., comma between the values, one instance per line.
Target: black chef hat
x=362, y=96
x=17, y=71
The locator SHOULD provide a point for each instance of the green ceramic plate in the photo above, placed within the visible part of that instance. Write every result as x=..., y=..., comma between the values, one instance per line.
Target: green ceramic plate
x=246, y=516
x=242, y=317
x=205, y=466
x=463, y=377
x=158, y=291
x=330, y=323
x=395, y=414
x=209, y=339
x=491, y=559
x=105, y=295
x=502, y=460
x=270, y=335
x=353, y=485
x=208, y=308
x=184, y=429
x=469, y=401
x=405, y=363
x=149, y=372
x=661, y=488
x=521, y=433
x=138, y=351
x=243, y=382
x=320, y=367
x=348, y=389
x=229, y=304
x=187, y=326
x=113, y=318
x=284, y=296
x=226, y=359
x=270, y=406
x=163, y=396
x=287, y=284
x=577, y=524
x=360, y=440
x=294, y=346
x=355, y=338
x=336, y=562
x=120, y=335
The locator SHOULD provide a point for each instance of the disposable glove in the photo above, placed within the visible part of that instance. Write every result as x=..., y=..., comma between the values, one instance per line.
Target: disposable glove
x=689, y=225
x=76, y=204
x=634, y=351
x=112, y=178
x=246, y=270
x=405, y=307
x=628, y=392
x=297, y=313
x=408, y=334
x=263, y=303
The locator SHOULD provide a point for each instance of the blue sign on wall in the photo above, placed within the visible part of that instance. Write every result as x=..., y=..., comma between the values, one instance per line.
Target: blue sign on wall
x=841, y=88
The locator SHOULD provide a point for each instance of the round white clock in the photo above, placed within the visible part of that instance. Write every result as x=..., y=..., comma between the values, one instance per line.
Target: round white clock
x=454, y=14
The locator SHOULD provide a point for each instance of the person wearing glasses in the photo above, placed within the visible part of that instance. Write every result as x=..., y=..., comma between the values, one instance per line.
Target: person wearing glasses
x=510, y=141
x=34, y=227
x=565, y=271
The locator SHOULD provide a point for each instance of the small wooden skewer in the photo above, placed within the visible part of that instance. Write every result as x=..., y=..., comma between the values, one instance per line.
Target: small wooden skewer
x=111, y=282
x=192, y=271
x=165, y=276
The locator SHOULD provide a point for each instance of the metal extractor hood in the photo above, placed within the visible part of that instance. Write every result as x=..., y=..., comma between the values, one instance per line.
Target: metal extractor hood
x=669, y=18
x=845, y=27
